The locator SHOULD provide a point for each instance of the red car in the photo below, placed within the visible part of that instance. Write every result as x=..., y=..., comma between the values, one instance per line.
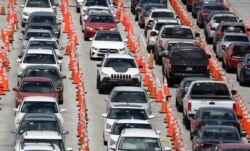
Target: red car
x=35, y=86
x=233, y=54
x=97, y=22
x=232, y=147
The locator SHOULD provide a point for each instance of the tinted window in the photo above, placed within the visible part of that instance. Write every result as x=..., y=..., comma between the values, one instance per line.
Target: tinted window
x=218, y=114
x=236, y=149
x=225, y=19
x=96, y=3
x=37, y=35
x=129, y=96
x=128, y=114
x=210, y=89
x=37, y=86
x=181, y=33
x=238, y=29
x=149, y=1
x=39, y=107
x=221, y=134
x=126, y=63
x=39, y=59
x=236, y=38
x=120, y=126
x=101, y=19
x=149, y=7
x=98, y=11
x=43, y=19
x=162, y=14
x=218, y=7
x=33, y=125
x=189, y=55
x=43, y=44
x=108, y=37
x=38, y=3
x=49, y=73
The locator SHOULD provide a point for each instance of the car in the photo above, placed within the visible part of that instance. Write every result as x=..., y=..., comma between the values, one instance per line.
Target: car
x=207, y=93
x=38, y=57
x=46, y=43
x=92, y=10
x=243, y=70
x=182, y=90
x=152, y=29
x=226, y=40
x=39, y=122
x=45, y=71
x=47, y=18
x=213, y=22
x=137, y=6
x=232, y=146
x=119, y=125
x=31, y=6
x=90, y=3
x=157, y=13
x=211, y=135
x=214, y=116
x=122, y=111
x=44, y=137
x=139, y=140
x=223, y=27
x=38, y=146
x=97, y=22
x=129, y=95
x=34, y=33
x=38, y=104
x=106, y=41
x=233, y=54
x=45, y=26
x=117, y=70
x=184, y=61
x=35, y=86
x=145, y=10
x=206, y=9
x=174, y=32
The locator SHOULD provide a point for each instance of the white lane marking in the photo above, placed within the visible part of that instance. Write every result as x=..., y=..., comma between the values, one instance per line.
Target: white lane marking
x=143, y=40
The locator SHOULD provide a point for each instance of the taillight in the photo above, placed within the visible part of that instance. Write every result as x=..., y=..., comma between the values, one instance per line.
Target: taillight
x=189, y=106
x=204, y=14
x=211, y=27
x=160, y=43
x=246, y=67
x=220, y=34
x=223, y=47
x=202, y=145
x=234, y=107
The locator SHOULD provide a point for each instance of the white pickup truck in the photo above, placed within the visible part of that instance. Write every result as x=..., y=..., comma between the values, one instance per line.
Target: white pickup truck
x=206, y=93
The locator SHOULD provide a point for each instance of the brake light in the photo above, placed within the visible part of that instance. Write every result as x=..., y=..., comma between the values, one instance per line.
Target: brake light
x=220, y=34
x=246, y=67
x=160, y=43
x=202, y=145
x=234, y=107
x=202, y=123
x=189, y=106
x=223, y=47
x=204, y=14
x=211, y=27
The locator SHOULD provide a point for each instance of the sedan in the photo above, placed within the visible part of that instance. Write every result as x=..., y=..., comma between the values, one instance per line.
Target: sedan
x=243, y=70
x=233, y=147
x=97, y=22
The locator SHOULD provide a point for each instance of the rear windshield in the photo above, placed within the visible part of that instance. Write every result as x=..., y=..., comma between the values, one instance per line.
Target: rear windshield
x=241, y=50
x=49, y=73
x=162, y=14
x=43, y=19
x=129, y=97
x=149, y=1
x=126, y=63
x=189, y=55
x=120, y=126
x=39, y=107
x=37, y=87
x=236, y=38
x=102, y=19
x=128, y=114
x=218, y=115
x=238, y=29
x=236, y=149
x=225, y=19
x=213, y=7
x=181, y=33
x=108, y=37
x=37, y=35
x=39, y=59
x=96, y=3
x=221, y=134
x=40, y=3
x=98, y=11
x=43, y=44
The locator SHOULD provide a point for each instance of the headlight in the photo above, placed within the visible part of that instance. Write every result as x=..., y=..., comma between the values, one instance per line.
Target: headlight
x=108, y=126
x=113, y=29
x=103, y=73
x=26, y=13
x=95, y=48
x=89, y=28
x=123, y=49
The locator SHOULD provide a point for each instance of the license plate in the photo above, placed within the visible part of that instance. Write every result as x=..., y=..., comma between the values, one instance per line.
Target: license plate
x=189, y=68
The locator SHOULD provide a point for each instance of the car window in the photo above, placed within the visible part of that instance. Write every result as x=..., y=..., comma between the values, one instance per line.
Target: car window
x=39, y=107
x=162, y=14
x=40, y=3
x=149, y=7
x=49, y=73
x=39, y=59
x=37, y=35
x=238, y=29
x=220, y=134
x=43, y=44
x=241, y=50
x=214, y=7
x=128, y=114
x=120, y=126
x=129, y=97
x=181, y=33
x=101, y=19
x=225, y=19
x=236, y=38
x=119, y=62
x=32, y=125
x=96, y=3
x=43, y=19
x=108, y=37
x=59, y=143
x=218, y=114
x=189, y=55
x=98, y=11
x=149, y=1
x=37, y=87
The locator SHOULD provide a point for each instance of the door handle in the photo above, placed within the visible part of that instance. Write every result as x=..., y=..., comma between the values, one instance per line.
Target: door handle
x=211, y=103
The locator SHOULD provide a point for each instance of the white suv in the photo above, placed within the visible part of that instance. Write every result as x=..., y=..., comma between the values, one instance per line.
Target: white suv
x=117, y=70
x=38, y=146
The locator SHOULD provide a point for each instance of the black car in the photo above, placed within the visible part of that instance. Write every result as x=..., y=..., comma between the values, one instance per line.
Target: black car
x=214, y=116
x=45, y=71
x=206, y=9
x=46, y=18
x=243, y=70
x=211, y=135
x=184, y=61
x=138, y=7
x=182, y=90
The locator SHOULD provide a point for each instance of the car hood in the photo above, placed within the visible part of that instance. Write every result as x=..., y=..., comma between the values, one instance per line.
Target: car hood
x=125, y=70
x=37, y=9
x=108, y=44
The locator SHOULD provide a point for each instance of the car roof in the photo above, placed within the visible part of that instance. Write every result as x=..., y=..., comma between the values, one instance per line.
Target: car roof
x=219, y=127
x=117, y=55
x=138, y=132
x=40, y=51
x=39, y=99
x=129, y=88
x=132, y=121
x=47, y=135
x=126, y=106
x=223, y=13
x=234, y=145
x=37, y=79
x=40, y=117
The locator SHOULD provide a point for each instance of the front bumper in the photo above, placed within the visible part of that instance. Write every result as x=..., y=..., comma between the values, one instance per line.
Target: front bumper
x=98, y=55
x=108, y=82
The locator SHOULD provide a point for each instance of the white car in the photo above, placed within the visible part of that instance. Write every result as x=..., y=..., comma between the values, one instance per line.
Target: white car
x=38, y=57
x=38, y=147
x=117, y=70
x=106, y=41
x=116, y=112
x=38, y=104
x=139, y=140
x=31, y=6
x=84, y=14
x=119, y=125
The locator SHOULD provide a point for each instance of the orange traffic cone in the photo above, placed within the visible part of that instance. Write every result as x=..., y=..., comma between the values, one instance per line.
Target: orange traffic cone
x=151, y=60
x=2, y=10
x=171, y=127
x=163, y=106
x=159, y=95
x=166, y=88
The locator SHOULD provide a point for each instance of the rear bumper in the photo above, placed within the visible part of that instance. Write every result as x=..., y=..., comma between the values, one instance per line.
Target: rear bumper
x=183, y=75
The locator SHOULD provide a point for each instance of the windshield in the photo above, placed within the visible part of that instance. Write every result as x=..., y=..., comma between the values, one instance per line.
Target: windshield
x=101, y=19
x=140, y=144
x=97, y=11
x=43, y=19
x=225, y=19
x=218, y=115
x=38, y=3
x=37, y=86
x=49, y=73
x=149, y=7
x=128, y=114
x=222, y=134
x=39, y=59
x=59, y=142
x=43, y=44
x=37, y=35
x=108, y=37
x=129, y=97
x=149, y=1
x=39, y=107
x=189, y=55
x=180, y=33
x=210, y=90
x=162, y=14
x=120, y=126
x=236, y=38
x=214, y=7
x=122, y=63
x=237, y=29
x=241, y=50
x=37, y=125
x=96, y=3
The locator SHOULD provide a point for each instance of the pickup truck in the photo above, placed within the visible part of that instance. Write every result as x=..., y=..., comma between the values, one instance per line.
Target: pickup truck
x=206, y=93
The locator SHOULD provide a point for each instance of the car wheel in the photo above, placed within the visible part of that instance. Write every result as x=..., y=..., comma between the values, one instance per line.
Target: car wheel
x=136, y=17
x=178, y=107
x=97, y=82
x=23, y=24
x=170, y=81
x=191, y=136
x=241, y=81
x=237, y=77
x=228, y=68
x=80, y=20
x=60, y=101
x=78, y=9
x=189, y=8
x=105, y=143
x=223, y=64
x=86, y=38
x=101, y=90
x=187, y=123
x=145, y=33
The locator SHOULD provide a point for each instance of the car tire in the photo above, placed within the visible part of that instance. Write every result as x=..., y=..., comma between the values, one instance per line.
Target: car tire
x=228, y=68
x=223, y=64
x=237, y=77
x=80, y=20
x=78, y=9
x=23, y=24
x=136, y=17
x=178, y=107
x=101, y=90
x=97, y=82
x=241, y=81
x=60, y=101
x=187, y=123
x=158, y=59
x=86, y=38
x=170, y=81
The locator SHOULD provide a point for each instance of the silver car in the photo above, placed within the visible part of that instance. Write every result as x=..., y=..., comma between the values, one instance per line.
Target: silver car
x=129, y=95
x=227, y=39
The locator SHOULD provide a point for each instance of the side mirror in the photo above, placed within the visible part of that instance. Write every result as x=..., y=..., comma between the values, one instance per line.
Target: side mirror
x=112, y=147
x=191, y=116
x=20, y=38
x=167, y=149
x=16, y=109
x=158, y=132
x=140, y=66
x=223, y=47
x=91, y=39
x=59, y=23
x=69, y=149
x=153, y=33
x=15, y=89
x=164, y=54
x=98, y=65
x=65, y=132
x=54, y=7
x=197, y=34
x=22, y=6
x=241, y=20
x=13, y=131
x=151, y=116
x=234, y=92
x=239, y=117
x=62, y=48
x=63, y=77
x=59, y=57
x=18, y=60
x=58, y=90
x=243, y=134
x=117, y=21
x=106, y=99
x=63, y=110
x=19, y=75
x=104, y=115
